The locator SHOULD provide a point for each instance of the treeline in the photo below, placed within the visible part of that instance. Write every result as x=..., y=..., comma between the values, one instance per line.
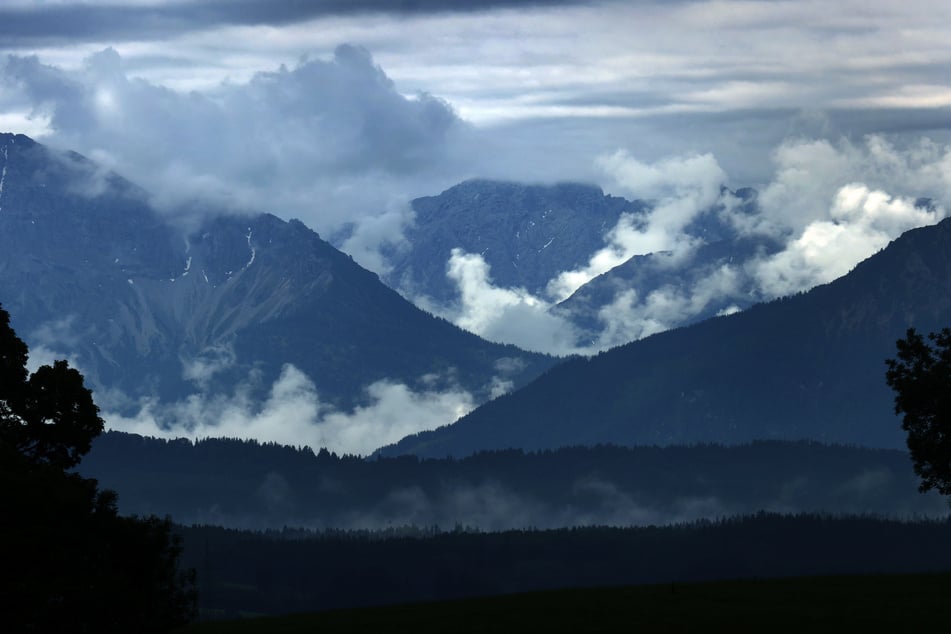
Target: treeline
x=281, y=572
x=245, y=484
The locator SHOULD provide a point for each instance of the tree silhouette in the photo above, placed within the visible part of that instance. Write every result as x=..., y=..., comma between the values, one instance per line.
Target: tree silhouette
x=70, y=561
x=49, y=417
x=921, y=379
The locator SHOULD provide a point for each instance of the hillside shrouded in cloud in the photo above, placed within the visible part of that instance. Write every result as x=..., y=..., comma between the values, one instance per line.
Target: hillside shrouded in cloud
x=828, y=205
x=341, y=113
x=321, y=141
x=335, y=143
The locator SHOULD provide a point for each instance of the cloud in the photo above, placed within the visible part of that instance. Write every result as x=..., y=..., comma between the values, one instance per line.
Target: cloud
x=490, y=505
x=829, y=205
x=729, y=77
x=329, y=141
x=56, y=331
x=41, y=355
x=809, y=173
x=836, y=204
x=23, y=23
x=368, y=236
x=683, y=188
x=201, y=369
x=513, y=315
x=863, y=222
x=630, y=317
x=335, y=142
x=510, y=315
x=293, y=414
x=51, y=340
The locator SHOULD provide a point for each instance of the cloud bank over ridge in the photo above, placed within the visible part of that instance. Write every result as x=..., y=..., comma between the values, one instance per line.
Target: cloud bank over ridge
x=333, y=141
x=293, y=414
x=829, y=206
x=329, y=141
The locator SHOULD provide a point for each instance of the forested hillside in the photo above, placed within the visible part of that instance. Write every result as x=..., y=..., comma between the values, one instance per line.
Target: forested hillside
x=809, y=366
x=245, y=484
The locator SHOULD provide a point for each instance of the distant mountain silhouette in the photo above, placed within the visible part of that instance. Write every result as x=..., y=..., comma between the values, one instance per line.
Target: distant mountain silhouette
x=89, y=269
x=808, y=366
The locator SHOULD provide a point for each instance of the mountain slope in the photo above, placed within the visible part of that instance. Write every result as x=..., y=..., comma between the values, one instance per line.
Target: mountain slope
x=655, y=292
x=526, y=233
x=543, y=239
x=89, y=269
x=809, y=366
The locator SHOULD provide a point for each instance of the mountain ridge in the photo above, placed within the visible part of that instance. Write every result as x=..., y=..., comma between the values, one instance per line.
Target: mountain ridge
x=89, y=269
x=502, y=221
x=807, y=366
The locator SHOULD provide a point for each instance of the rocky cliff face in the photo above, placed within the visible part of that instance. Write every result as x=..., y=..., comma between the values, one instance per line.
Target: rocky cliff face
x=88, y=269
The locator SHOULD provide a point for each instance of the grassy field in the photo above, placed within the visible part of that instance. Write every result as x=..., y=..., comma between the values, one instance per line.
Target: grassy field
x=887, y=603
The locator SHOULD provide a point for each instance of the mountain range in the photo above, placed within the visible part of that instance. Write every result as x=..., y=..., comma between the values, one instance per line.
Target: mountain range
x=165, y=304
x=152, y=304
x=525, y=233
x=530, y=235
x=806, y=366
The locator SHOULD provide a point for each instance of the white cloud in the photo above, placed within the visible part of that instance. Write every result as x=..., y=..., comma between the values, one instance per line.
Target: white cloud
x=54, y=340
x=212, y=360
x=629, y=317
x=510, y=315
x=724, y=76
x=862, y=222
x=41, y=355
x=24, y=122
x=329, y=141
x=374, y=231
x=829, y=206
x=682, y=187
x=835, y=204
x=294, y=415
x=334, y=140
x=809, y=174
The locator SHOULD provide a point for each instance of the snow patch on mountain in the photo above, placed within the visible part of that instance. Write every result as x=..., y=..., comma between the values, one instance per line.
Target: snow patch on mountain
x=253, y=250
x=3, y=174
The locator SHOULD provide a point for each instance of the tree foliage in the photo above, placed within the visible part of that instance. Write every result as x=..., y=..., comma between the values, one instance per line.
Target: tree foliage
x=921, y=379
x=70, y=561
x=49, y=417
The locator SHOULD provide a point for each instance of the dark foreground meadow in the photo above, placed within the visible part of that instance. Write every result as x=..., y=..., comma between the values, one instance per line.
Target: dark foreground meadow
x=873, y=603
x=245, y=574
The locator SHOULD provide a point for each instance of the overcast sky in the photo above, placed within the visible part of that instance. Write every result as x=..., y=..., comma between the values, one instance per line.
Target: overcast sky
x=550, y=85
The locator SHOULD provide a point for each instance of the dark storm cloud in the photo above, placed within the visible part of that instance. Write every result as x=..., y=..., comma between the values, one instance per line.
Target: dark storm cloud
x=20, y=26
